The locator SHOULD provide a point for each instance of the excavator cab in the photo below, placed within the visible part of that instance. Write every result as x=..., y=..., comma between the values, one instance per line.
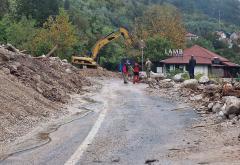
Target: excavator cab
x=91, y=62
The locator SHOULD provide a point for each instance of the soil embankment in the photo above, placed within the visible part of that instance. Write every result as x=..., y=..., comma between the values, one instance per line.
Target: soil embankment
x=34, y=90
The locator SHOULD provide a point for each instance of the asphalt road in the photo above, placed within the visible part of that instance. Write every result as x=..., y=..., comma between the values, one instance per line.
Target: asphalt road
x=122, y=124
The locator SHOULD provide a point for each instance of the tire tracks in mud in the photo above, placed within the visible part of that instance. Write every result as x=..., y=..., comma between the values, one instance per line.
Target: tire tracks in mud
x=44, y=137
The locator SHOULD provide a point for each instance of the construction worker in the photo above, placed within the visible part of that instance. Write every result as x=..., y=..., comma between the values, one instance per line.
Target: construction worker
x=192, y=63
x=130, y=72
x=136, y=70
x=125, y=73
x=148, y=68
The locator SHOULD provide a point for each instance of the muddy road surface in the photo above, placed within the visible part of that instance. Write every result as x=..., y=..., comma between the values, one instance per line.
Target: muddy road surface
x=121, y=124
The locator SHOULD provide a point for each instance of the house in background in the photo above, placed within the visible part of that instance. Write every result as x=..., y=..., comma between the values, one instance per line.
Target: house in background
x=208, y=63
x=190, y=37
x=235, y=38
x=221, y=35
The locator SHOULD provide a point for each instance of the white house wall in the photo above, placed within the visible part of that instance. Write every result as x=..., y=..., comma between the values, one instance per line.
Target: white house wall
x=203, y=69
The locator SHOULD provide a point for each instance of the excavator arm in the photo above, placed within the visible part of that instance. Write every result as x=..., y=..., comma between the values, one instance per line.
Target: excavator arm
x=100, y=44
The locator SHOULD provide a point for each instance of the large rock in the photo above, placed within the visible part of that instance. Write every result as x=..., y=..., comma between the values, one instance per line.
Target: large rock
x=6, y=70
x=210, y=106
x=6, y=55
x=204, y=80
x=232, y=106
x=192, y=84
x=217, y=107
x=65, y=61
x=212, y=89
x=227, y=89
x=158, y=76
x=237, y=85
x=196, y=98
x=167, y=83
x=178, y=77
x=68, y=70
x=228, y=100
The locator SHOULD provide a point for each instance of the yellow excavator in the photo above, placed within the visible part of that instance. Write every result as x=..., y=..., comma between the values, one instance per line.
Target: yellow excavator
x=91, y=61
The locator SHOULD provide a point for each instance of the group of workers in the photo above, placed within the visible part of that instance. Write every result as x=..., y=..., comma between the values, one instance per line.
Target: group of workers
x=130, y=72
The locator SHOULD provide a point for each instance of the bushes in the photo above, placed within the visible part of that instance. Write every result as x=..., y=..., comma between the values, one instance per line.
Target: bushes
x=21, y=33
x=185, y=75
x=172, y=73
x=18, y=33
x=198, y=76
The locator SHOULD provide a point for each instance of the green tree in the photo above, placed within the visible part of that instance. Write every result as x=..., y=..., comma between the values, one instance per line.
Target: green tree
x=39, y=10
x=164, y=21
x=21, y=33
x=201, y=42
x=156, y=47
x=4, y=7
x=4, y=25
x=56, y=32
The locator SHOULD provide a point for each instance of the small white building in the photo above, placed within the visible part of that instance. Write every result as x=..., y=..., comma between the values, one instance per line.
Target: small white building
x=221, y=35
x=190, y=37
x=207, y=63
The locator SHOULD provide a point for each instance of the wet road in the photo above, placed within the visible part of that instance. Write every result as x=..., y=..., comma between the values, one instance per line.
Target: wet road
x=123, y=125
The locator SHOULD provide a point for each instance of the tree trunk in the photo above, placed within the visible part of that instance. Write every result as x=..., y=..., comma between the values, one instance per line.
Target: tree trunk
x=52, y=51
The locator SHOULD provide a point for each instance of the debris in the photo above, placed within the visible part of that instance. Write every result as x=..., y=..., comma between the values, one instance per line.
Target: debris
x=167, y=83
x=217, y=107
x=198, y=126
x=10, y=47
x=174, y=149
x=178, y=77
x=192, y=84
x=227, y=88
x=204, y=80
x=196, y=98
x=115, y=160
x=68, y=71
x=157, y=76
x=210, y=106
x=151, y=161
x=203, y=163
x=205, y=97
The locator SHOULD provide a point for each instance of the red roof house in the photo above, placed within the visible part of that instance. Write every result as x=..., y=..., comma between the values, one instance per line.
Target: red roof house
x=207, y=62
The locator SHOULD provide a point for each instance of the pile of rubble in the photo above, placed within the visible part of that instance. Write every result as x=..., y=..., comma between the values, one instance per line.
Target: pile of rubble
x=51, y=77
x=99, y=73
x=208, y=97
x=35, y=89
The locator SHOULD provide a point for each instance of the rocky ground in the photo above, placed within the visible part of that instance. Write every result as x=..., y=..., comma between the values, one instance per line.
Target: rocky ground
x=34, y=90
x=216, y=135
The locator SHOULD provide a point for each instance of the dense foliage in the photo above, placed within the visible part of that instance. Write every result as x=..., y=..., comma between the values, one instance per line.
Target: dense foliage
x=75, y=25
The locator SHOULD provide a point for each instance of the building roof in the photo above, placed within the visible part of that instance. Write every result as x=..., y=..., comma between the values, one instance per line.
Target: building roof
x=191, y=35
x=202, y=56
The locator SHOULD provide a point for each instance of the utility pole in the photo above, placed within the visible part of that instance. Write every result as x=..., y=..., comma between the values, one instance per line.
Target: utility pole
x=142, y=58
x=142, y=45
x=219, y=19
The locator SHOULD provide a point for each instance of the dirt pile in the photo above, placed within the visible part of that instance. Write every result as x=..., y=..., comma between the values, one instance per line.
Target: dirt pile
x=51, y=77
x=33, y=90
x=99, y=73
